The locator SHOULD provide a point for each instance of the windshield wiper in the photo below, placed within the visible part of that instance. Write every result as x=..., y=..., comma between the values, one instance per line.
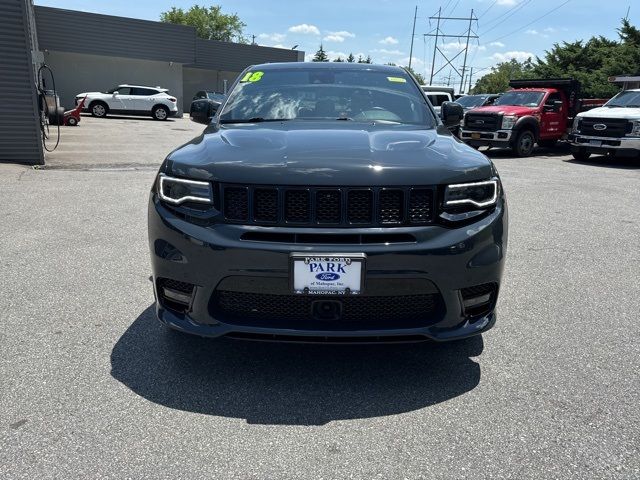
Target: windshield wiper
x=254, y=120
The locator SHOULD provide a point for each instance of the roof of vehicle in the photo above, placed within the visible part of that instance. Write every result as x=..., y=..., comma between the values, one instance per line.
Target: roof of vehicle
x=143, y=86
x=329, y=66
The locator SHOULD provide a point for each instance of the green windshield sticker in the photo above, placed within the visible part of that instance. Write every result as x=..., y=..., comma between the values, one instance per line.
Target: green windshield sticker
x=252, y=77
x=397, y=79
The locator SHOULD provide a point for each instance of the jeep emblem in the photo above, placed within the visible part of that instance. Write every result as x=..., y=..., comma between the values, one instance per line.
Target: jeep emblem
x=599, y=126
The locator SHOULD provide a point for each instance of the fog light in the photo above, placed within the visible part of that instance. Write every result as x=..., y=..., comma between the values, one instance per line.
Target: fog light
x=479, y=299
x=475, y=301
x=176, y=295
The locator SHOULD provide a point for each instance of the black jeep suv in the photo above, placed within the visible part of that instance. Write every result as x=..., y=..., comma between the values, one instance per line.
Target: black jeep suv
x=328, y=202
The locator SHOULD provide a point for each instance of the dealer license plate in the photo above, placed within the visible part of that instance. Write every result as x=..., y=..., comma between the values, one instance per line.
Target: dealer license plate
x=595, y=143
x=475, y=135
x=329, y=274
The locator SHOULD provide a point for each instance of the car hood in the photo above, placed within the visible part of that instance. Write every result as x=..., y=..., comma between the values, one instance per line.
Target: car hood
x=506, y=110
x=627, y=113
x=301, y=153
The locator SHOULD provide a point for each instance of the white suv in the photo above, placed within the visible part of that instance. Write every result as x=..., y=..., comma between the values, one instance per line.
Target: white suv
x=130, y=100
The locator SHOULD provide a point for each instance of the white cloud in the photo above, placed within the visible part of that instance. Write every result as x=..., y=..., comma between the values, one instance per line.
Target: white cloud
x=279, y=45
x=384, y=51
x=274, y=37
x=508, y=3
x=389, y=41
x=333, y=55
x=533, y=31
x=497, y=44
x=506, y=56
x=338, y=36
x=304, y=28
x=550, y=29
x=456, y=46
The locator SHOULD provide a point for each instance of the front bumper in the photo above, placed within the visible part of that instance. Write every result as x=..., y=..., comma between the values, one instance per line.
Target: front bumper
x=591, y=144
x=499, y=138
x=445, y=260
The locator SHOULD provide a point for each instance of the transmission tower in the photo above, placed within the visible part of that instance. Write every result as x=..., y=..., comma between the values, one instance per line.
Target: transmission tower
x=469, y=34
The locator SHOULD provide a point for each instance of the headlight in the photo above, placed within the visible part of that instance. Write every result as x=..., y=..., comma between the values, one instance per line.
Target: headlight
x=179, y=190
x=576, y=124
x=635, y=130
x=508, y=121
x=478, y=194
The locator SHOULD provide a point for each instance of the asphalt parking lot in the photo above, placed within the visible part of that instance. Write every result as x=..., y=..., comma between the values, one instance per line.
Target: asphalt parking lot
x=92, y=386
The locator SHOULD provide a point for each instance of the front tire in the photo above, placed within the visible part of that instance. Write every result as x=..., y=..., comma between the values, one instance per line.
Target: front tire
x=99, y=109
x=524, y=144
x=580, y=154
x=160, y=113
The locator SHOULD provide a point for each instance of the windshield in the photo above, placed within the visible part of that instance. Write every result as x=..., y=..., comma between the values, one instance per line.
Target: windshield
x=111, y=90
x=218, y=97
x=625, y=99
x=472, y=100
x=521, y=99
x=329, y=94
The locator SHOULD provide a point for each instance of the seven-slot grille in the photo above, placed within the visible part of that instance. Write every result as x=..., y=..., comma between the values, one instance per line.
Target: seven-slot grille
x=613, y=127
x=487, y=122
x=331, y=206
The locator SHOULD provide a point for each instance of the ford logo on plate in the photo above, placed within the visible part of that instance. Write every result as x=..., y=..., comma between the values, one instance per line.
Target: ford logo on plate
x=327, y=277
x=599, y=126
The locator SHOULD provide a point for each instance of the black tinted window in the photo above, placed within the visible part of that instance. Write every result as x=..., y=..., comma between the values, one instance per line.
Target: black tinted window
x=124, y=91
x=143, y=91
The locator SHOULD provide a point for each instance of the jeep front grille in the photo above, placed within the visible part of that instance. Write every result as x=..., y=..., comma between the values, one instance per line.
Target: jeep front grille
x=330, y=206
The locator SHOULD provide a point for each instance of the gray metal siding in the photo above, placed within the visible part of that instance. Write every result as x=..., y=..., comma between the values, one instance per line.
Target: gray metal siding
x=20, y=140
x=81, y=32
x=235, y=57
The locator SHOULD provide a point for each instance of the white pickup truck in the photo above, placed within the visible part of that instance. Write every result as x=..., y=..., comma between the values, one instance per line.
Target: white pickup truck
x=438, y=95
x=614, y=128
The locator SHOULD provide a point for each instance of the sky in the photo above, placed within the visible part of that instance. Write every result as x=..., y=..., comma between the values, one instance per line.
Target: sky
x=382, y=28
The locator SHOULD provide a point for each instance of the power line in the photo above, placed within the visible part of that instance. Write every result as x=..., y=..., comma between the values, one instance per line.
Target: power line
x=532, y=21
x=511, y=13
x=487, y=9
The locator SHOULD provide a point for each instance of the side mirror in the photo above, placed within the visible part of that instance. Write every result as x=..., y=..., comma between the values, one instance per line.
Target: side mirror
x=451, y=113
x=115, y=94
x=202, y=110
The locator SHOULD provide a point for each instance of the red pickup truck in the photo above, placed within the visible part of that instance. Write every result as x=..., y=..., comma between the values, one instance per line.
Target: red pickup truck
x=533, y=111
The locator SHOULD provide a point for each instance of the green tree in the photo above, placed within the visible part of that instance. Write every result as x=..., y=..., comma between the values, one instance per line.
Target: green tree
x=591, y=62
x=339, y=59
x=497, y=80
x=210, y=23
x=419, y=77
x=320, y=56
x=351, y=58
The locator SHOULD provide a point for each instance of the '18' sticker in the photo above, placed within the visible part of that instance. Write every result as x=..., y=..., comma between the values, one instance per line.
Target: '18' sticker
x=252, y=77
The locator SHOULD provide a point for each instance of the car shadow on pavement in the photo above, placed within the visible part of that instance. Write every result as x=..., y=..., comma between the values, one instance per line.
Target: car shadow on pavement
x=289, y=384
x=133, y=117
x=621, y=163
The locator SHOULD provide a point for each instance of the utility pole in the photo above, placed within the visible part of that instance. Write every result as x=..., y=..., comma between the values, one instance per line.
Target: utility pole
x=435, y=46
x=253, y=39
x=440, y=34
x=413, y=34
x=466, y=50
x=470, y=78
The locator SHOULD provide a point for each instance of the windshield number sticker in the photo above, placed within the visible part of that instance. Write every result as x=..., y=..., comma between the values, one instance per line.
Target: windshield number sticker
x=397, y=79
x=252, y=77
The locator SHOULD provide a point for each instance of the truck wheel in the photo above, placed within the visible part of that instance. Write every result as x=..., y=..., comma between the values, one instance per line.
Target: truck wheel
x=547, y=143
x=580, y=154
x=99, y=109
x=160, y=113
x=525, y=141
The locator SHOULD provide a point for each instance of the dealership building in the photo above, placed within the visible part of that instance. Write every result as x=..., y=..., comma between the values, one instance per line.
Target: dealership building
x=92, y=52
